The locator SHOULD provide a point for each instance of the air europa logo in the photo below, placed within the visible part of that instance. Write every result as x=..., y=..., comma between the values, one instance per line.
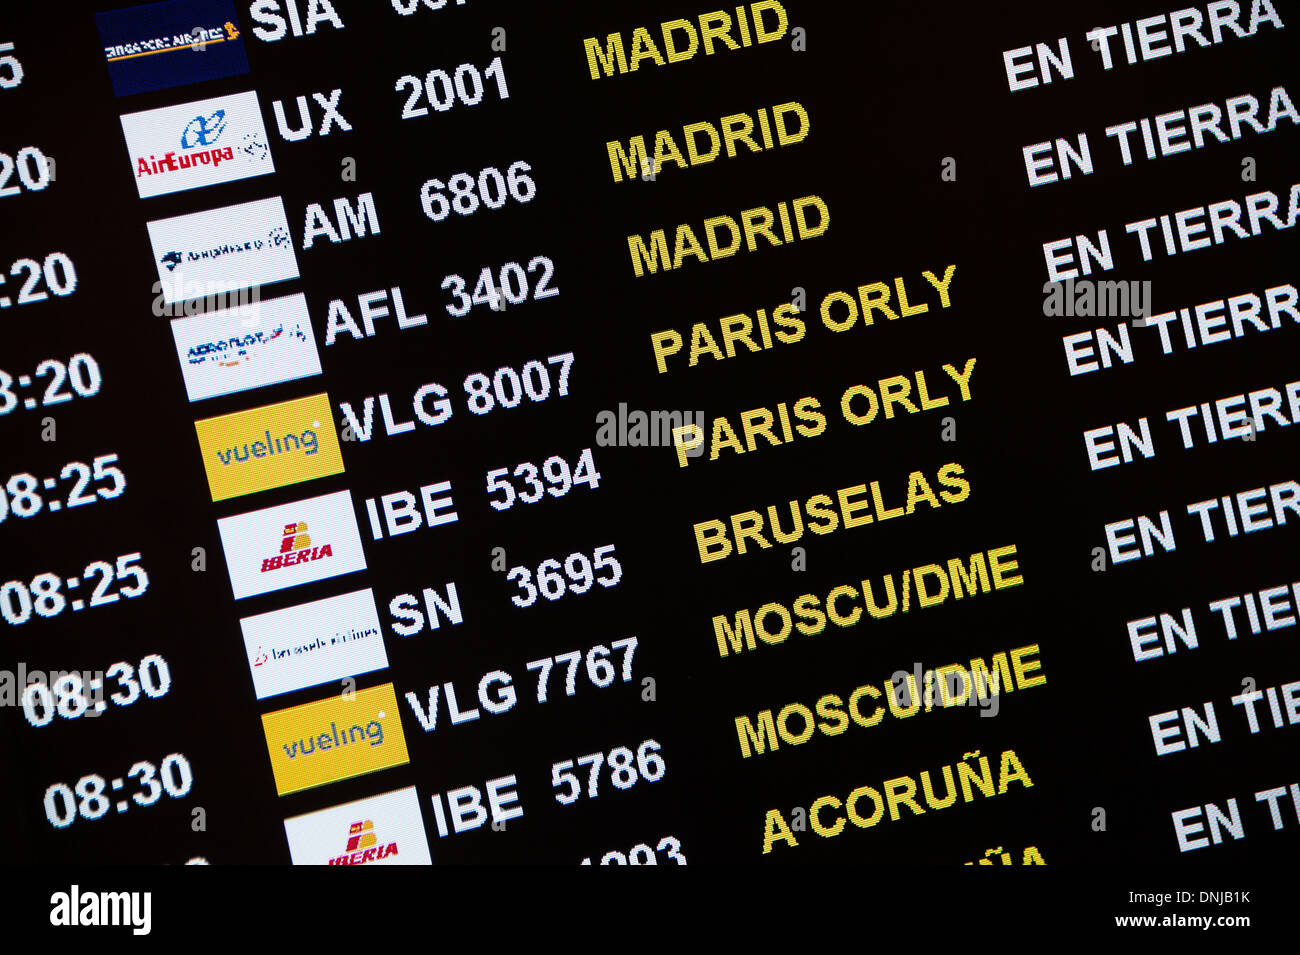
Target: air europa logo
x=204, y=131
x=333, y=739
x=199, y=131
x=197, y=144
x=268, y=447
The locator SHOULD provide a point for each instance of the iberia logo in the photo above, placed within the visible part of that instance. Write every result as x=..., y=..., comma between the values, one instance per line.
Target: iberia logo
x=363, y=846
x=296, y=548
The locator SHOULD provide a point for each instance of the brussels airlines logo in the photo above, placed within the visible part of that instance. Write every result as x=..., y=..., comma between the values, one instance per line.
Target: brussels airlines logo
x=159, y=45
x=197, y=144
x=318, y=642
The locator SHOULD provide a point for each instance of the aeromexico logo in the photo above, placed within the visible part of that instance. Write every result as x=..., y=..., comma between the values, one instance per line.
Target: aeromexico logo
x=200, y=146
x=278, y=237
x=229, y=352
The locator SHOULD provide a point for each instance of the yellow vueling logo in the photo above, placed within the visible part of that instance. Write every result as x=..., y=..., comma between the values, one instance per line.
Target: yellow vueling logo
x=268, y=447
x=333, y=739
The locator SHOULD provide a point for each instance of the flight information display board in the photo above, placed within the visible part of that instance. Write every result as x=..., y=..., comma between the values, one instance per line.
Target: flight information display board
x=453, y=431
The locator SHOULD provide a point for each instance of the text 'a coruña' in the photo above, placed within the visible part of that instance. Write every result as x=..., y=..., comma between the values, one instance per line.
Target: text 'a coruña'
x=828, y=814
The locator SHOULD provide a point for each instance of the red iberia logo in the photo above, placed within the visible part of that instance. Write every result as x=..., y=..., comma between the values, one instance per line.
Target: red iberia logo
x=363, y=846
x=296, y=548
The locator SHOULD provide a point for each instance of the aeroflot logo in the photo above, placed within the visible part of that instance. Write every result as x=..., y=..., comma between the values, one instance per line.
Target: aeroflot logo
x=333, y=739
x=229, y=352
x=269, y=447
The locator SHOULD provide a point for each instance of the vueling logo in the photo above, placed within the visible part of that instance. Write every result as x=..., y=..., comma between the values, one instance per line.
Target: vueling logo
x=306, y=442
x=269, y=447
x=336, y=738
x=372, y=733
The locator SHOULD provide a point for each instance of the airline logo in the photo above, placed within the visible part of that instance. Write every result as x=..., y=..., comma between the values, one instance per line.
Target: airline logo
x=381, y=830
x=223, y=249
x=337, y=738
x=197, y=144
x=160, y=45
x=314, y=643
x=251, y=346
x=271, y=446
x=291, y=544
